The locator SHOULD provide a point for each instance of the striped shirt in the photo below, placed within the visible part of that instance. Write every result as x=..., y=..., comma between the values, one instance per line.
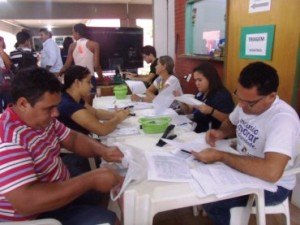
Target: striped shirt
x=16, y=55
x=28, y=155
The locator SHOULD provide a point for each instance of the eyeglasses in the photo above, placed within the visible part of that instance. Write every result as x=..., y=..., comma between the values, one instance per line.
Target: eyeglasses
x=250, y=104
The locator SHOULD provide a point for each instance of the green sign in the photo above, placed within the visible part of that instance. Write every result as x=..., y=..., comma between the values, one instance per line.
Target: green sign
x=257, y=42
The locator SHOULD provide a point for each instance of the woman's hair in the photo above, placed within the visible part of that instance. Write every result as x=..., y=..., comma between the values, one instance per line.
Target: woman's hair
x=168, y=62
x=211, y=74
x=73, y=73
x=81, y=29
x=67, y=42
x=2, y=39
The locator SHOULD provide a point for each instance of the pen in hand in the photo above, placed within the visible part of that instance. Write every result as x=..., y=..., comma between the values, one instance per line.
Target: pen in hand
x=186, y=151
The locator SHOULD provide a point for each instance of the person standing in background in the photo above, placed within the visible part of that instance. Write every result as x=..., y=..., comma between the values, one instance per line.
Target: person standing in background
x=50, y=55
x=64, y=51
x=23, y=56
x=84, y=52
x=5, y=66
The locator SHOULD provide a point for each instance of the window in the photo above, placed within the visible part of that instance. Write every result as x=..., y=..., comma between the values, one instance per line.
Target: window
x=205, y=25
x=147, y=25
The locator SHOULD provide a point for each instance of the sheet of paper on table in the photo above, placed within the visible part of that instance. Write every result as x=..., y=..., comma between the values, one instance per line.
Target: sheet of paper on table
x=153, y=113
x=163, y=166
x=123, y=131
x=220, y=179
x=120, y=104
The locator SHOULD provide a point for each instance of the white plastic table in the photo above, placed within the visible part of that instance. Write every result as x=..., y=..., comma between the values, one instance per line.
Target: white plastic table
x=143, y=200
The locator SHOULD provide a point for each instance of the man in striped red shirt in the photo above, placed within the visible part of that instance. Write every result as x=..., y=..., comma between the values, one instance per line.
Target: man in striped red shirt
x=34, y=182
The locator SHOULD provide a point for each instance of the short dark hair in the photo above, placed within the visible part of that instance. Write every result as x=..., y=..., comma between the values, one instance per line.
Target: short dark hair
x=32, y=83
x=46, y=31
x=73, y=73
x=211, y=74
x=260, y=75
x=22, y=37
x=168, y=62
x=148, y=49
x=81, y=29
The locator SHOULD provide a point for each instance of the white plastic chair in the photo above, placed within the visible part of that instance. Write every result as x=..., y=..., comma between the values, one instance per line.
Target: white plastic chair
x=34, y=222
x=240, y=215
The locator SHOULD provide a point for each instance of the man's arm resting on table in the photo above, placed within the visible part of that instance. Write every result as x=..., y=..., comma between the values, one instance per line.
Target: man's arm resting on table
x=269, y=168
x=145, y=78
x=37, y=197
x=88, y=147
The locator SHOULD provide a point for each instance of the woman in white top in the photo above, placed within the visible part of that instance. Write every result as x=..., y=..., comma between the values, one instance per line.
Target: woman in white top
x=164, y=69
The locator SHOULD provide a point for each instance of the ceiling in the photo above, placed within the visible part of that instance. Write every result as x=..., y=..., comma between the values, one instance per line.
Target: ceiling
x=61, y=23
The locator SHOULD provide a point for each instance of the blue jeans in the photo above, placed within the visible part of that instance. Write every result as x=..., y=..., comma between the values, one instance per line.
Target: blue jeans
x=78, y=165
x=219, y=212
x=74, y=214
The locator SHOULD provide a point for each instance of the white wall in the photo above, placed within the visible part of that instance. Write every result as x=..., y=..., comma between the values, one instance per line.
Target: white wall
x=8, y=32
x=164, y=27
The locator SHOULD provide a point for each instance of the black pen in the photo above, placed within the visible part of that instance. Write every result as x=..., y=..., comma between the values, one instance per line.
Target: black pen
x=128, y=107
x=186, y=151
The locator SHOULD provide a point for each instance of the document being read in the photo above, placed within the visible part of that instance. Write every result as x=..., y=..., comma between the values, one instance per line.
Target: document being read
x=136, y=87
x=163, y=166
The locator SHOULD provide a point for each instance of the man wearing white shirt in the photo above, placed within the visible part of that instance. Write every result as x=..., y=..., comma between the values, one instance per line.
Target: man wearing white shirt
x=50, y=55
x=266, y=129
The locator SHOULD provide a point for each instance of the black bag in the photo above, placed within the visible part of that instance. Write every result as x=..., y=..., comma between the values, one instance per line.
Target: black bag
x=27, y=60
x=6, y=77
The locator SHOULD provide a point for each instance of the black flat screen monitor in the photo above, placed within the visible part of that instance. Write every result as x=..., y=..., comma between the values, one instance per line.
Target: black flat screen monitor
x=118, y=47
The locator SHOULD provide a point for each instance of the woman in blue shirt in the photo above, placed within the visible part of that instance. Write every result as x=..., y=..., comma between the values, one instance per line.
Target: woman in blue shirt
x=218, y=101
x=78, y=115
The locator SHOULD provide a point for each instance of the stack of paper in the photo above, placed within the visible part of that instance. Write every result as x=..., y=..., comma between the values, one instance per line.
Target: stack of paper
x=220, y=179
x=124, y=131
x=163, y=166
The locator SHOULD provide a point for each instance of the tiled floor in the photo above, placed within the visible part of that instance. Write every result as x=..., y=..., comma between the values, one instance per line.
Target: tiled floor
x=185, y=217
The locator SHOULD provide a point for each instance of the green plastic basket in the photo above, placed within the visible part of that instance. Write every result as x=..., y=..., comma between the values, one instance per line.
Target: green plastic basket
x=155, y=125
x=120, y=91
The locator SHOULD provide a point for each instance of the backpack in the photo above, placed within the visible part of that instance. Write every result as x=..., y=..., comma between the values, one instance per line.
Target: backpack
x=27, y=60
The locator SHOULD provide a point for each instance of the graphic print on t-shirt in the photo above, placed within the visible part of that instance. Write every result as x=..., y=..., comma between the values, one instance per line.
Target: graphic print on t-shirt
x=249, y=134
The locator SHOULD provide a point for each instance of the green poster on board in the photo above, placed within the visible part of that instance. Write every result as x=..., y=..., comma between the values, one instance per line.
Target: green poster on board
x=257, y=42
